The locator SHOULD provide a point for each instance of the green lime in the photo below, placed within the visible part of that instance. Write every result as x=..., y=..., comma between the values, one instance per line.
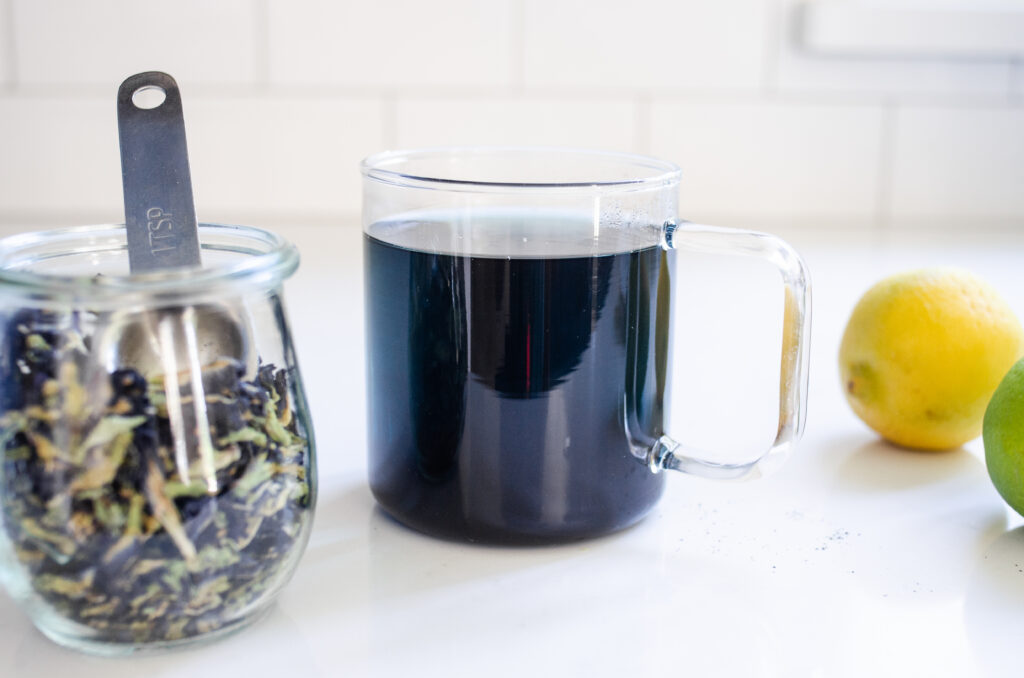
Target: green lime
x=1003, y=434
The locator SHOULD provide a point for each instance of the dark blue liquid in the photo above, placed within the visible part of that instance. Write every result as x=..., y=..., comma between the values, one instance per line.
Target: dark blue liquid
x=498, y=389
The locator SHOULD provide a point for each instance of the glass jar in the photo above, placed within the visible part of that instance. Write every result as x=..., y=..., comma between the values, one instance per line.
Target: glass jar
x=131, y=517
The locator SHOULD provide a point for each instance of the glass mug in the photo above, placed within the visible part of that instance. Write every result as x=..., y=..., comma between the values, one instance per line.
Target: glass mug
x=517, y=334
x=157, y=476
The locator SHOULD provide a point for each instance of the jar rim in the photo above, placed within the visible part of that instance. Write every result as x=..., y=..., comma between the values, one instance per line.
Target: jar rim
x=396, y=167
x=269, y=259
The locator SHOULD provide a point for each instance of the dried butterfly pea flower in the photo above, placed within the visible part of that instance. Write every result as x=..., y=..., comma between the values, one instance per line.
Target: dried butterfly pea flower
x=111, y=534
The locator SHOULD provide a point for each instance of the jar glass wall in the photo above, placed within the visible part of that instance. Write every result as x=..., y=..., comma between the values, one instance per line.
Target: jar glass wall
x=158, y=478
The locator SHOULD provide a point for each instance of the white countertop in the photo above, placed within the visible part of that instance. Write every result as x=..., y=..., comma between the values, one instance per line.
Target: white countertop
x=855, y=559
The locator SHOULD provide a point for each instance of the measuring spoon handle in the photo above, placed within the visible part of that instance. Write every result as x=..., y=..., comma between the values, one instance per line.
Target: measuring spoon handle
x=159, y=211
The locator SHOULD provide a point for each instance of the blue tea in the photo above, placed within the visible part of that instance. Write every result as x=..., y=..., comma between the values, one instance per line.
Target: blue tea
x=506, y=361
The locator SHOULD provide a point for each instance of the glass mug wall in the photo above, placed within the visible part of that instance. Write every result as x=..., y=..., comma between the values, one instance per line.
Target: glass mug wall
x=518, y=333
x=157, y=475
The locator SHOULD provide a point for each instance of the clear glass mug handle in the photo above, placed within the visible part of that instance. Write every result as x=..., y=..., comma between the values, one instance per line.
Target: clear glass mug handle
x=665, y=452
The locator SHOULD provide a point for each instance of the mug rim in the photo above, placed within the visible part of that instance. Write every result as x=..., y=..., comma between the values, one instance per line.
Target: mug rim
x=659, y=173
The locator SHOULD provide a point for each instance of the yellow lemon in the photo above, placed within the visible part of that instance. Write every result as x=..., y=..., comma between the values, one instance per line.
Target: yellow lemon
x=1004, y=438
x=923, y=352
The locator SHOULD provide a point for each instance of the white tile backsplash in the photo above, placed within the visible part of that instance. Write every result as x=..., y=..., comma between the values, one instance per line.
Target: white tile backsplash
x=606, y=123
x=63, y=42
x=256, y=157
x=60, y=157
x=252, y=158
x=389, y=44
x=958, y=166
x=284, y=97
x=773, y=161
x=644, y=44
x=799, y=70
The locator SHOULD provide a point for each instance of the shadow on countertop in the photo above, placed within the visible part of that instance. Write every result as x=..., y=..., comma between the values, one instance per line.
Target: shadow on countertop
x=880, y=466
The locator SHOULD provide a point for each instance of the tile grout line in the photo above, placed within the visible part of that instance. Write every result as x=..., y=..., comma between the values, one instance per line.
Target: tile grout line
x=261, y=45
x=11, y=50
x=475, y=92
x=517, y=47
x=774, y=31
x=886, y=157
x=1015, y=93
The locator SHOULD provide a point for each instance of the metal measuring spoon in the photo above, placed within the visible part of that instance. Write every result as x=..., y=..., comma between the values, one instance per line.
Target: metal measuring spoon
x=162, y=233
x=159, y=212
